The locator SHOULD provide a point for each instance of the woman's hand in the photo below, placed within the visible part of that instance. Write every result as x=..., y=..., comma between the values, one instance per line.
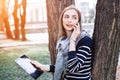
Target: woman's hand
x=40, y=66
x=76, y=32
x=36, y=64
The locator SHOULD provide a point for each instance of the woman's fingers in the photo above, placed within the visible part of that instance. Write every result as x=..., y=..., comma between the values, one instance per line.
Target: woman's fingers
x=78, y=27
x=76, y=31
x=35, y=63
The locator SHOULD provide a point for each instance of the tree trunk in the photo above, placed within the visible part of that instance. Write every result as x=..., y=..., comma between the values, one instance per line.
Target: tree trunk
x=16, y=20
x=54, y=7
x=7, y=28
x=1, y=22
x=106, y=40
x=23, y=19
x=4, y=11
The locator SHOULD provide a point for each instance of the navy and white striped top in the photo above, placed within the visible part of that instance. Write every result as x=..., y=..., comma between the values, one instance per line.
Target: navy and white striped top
x=79, y=62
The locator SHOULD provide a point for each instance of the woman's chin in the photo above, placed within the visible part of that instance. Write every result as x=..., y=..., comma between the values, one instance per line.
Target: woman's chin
x=70, y=30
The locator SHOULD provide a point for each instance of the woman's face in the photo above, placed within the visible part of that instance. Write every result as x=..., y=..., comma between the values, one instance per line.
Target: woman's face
x=70, y=19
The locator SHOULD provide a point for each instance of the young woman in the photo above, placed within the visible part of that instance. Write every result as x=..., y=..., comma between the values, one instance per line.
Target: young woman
x=74, y=49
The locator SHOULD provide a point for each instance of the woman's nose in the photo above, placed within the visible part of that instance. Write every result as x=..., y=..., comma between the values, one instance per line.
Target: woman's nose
x=69, y=20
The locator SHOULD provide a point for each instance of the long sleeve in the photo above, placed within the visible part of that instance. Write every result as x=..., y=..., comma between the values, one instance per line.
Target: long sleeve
x=52, y=68
x=80, y=60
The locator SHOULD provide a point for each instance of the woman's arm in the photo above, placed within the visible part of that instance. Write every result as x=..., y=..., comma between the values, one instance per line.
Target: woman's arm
x=72, y=45
x=75, y=34
x=42, y=67
x=77, y=58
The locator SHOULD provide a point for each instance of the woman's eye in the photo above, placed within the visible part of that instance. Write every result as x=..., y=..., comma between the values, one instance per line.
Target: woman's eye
x=75, y=17
x=66, y=16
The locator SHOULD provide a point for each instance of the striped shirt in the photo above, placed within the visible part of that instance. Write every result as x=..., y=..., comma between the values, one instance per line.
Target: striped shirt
x=79, y=61
x=78, y=65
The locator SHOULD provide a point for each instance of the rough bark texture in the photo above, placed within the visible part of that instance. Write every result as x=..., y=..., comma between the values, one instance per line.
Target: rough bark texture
x=5, y=19
x=106, y=39
x=23, y=19
x=54, y=7
x=16, y=20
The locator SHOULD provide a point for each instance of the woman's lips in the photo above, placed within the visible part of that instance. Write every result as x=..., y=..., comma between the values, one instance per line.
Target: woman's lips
x=69, y=25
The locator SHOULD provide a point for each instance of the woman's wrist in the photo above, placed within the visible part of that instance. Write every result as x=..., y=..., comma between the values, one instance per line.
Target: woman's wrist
x=73, y=39
x=45, y=68
x=72, y=44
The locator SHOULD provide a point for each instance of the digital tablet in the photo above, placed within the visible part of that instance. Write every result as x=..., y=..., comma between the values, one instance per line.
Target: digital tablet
x=24, y=62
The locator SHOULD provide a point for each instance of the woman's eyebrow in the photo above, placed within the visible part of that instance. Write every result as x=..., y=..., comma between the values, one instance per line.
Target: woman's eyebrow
x=74, y=15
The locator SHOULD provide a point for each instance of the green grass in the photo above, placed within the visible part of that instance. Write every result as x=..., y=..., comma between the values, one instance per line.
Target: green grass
x=9, y=70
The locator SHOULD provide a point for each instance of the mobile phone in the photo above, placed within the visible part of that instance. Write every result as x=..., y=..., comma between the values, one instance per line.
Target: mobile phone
x=77, y=24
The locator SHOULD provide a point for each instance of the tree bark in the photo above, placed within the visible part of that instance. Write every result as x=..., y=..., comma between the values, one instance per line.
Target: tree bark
x=16, y=20
x=23, y=19
x=5, y=19
x=54, y=7
x=106, y=40
x=1, y=22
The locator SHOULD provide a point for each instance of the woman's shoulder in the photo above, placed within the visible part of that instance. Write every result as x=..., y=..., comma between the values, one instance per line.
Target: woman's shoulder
x=84, y=34
x=85, y=41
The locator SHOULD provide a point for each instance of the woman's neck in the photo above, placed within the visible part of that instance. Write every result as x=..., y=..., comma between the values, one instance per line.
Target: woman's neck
x=68, y=33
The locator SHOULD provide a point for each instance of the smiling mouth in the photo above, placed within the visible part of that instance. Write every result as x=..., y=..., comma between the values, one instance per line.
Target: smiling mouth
x=69, y=25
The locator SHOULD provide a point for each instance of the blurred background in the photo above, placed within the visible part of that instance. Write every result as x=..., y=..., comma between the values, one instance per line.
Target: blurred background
x=19, y=19
x=24, y=30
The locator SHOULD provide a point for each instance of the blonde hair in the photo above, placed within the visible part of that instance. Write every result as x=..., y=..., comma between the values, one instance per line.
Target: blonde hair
x=61, y=31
